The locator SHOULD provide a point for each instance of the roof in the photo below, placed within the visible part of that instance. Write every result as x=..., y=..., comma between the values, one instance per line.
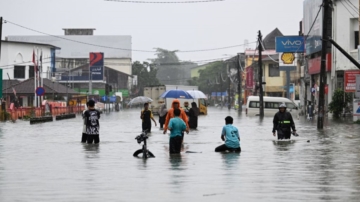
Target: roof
x=269, y=40
x=30, y=43
x=271, y=58
x=86, y=68
x=79, y=46
x=9, y=83
x=28, y=87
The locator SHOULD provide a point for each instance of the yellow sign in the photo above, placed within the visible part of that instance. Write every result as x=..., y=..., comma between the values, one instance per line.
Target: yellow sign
x=288, y=58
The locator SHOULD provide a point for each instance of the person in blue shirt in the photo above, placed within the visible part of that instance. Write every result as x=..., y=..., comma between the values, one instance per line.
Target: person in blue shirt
x=176, y=127
x=230, y=134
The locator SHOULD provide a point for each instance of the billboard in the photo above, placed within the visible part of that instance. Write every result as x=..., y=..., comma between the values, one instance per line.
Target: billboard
x=350, y=80
x=290, y=44
x=1, y=78
x=313, y=41
x=249, y=78
x=287, y=59
x=357, y=93
x=52, y=60
x=97, y=66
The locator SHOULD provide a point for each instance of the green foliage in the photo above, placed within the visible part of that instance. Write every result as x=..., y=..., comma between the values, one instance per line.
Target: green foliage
x=210, y=78
x=357, y=122
x=26, y=117
x=146, y=74
x=338, y=103
x=170, y=69
x=5, y=115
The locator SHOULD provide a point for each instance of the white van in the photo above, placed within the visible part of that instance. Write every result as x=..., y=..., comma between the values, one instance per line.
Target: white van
x=271, y=106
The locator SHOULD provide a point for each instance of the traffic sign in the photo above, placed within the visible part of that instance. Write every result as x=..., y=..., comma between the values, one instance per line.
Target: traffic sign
x=40, y=91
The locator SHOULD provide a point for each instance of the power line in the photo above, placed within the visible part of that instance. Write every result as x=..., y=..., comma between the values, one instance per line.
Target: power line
x=165, y=2
x=352, y=6
x=347, y=9
x=317, y=15
x=124, y=49
x=21, y=63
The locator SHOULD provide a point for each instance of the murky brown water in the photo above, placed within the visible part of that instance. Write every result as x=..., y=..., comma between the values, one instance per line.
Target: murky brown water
x=47, y=162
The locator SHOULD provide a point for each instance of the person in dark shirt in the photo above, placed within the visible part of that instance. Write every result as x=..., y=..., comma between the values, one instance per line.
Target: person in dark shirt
x=147, y=116
x=193, y=116
x=283, y=123
x=92, y=117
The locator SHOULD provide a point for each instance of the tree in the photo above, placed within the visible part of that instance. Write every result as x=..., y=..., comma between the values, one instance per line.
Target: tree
x=170, y=69
x=212, y=78
x=338, y=102
x=146, y=75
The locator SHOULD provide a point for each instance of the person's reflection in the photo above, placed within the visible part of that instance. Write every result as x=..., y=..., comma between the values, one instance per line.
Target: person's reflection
x=177, y=167
x=91, y=150
x=283, y=145
x=230, y=160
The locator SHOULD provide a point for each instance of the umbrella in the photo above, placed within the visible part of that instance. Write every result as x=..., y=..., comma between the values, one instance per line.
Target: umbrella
x=140, y=100
x=196, y=94
x=176, y=94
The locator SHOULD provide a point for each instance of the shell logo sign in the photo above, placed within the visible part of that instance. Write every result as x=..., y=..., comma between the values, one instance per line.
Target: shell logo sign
x=288, y=58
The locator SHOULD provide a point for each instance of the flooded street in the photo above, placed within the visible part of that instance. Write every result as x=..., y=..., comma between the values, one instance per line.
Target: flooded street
x=47, y=162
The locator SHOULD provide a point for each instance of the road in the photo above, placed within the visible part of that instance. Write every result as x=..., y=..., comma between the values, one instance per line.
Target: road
x=47, y=162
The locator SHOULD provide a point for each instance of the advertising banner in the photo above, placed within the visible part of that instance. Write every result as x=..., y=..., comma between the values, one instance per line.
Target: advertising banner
x=249, y=78
x=357, y=93
x=290, y=44
x=350, y=80
x=313, y=41
x=97, y=66
x=52, y=60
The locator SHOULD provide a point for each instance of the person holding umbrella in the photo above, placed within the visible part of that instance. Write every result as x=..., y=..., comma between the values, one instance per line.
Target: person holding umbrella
x=146, y=116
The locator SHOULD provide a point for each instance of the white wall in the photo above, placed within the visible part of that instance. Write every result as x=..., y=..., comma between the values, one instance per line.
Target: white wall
x=345, y=23
x=119, y=64
x=14, y=53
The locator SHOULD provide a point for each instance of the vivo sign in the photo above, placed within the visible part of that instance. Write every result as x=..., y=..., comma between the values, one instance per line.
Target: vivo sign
x=290, y=44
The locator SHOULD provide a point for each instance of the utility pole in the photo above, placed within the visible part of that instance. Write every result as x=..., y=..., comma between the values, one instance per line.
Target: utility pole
x=229, y=82
x=321, y=106
x=1, y=22
x=261, y=92
x=239, y=74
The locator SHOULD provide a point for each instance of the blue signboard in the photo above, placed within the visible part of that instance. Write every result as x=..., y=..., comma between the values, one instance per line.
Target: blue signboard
x=313, y=44
x=40, y=91
x=103, y=98
x=108, y=98
x=290, y=44
x=52, y=60
x=218, y=94
x=113, y=99
x=97, y=66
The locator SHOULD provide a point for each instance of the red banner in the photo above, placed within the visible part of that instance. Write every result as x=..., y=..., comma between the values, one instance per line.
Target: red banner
x=249, y=78
x=350, y=80
x=315, y=64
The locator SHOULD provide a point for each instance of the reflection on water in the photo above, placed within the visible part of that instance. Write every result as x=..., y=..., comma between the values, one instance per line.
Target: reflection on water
x=46, y=162
x=283, y=145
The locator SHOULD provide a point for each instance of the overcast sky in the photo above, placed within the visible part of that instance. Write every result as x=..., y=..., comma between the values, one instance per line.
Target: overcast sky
x=170, y=26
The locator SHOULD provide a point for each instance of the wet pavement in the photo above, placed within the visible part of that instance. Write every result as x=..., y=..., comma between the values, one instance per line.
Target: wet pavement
x=47, y=162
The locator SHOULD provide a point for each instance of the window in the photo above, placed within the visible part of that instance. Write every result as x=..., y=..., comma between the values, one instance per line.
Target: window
x=31, y=72
x=290, y=106
x=274, y=70
x=254, y=104
x=271, y=105
x=356, y=39
x=19, y=72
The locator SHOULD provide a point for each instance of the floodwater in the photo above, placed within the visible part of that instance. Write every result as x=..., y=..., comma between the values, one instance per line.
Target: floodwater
x=47, y=162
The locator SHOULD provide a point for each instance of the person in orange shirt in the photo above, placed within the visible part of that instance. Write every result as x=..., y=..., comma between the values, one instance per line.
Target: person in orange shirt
x=170, y=114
